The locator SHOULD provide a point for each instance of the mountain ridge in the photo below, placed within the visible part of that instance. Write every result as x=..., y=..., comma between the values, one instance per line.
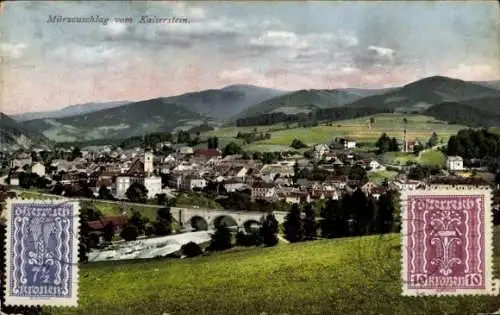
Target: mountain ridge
x=154, y=115
x=15, y=135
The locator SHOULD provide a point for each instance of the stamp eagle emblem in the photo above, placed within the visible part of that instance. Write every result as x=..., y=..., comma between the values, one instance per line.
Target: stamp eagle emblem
x=447, y=241
x=42, y=252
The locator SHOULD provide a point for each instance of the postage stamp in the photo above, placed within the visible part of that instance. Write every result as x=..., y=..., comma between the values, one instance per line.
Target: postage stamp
x=42, y=252
x=447, y=241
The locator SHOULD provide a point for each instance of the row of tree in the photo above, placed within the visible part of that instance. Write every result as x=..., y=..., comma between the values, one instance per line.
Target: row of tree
x=470, y=144
x=354, y=214
x=250, y=137
x=311, y=118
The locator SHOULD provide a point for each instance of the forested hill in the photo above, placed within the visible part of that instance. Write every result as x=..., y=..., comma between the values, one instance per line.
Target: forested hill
x=456, y=113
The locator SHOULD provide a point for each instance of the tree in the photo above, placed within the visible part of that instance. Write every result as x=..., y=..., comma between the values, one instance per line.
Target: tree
x=417, y=148
x=129, y=233
x=221, y=239
x=268, y=232
x=298, y=144
x=191, y=249
x=213, y=143
x=358, y=204
x=104, y=193
x=294, y=230
x=309, y=223
x=358, y=173
x=383, y=144
x=433, y=140
x=162, y=228
x=161, y=199
x=75, y=153
x=231, y=149
x=139, y=221
x=149, y=230
x=89, y=213
x=42, y=182
x=183, y=137
x=137, y=193
x=109, y=232
x=384, y=218
x=164, y=214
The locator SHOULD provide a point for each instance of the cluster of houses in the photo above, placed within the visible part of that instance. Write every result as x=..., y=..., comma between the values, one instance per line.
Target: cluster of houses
x=191, y=170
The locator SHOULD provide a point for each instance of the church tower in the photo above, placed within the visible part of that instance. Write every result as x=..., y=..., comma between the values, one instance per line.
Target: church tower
x=148, y=162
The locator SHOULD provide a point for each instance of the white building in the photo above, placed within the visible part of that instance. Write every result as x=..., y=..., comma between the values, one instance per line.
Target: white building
x=122, y=184
x=14, y=181
x=38, y=168
x=454, y=163
x=191, y=182
x=349, y=143
x=186, y=150
x=153, y=185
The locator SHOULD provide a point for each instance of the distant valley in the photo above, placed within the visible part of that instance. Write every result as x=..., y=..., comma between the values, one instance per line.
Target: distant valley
x=247, y=105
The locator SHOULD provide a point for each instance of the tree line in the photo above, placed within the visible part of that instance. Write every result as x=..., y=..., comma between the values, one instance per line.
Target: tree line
x=470, y=143
x=250, y=137
x=354, y=214
x=321, y=114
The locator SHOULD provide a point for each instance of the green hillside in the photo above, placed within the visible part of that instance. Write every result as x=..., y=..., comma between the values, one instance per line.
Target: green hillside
x=421, y=94
x=300, y=101
x=155, y=115
x=16, y=133
x=418, y=127
x=341, y=276
x=455, y=113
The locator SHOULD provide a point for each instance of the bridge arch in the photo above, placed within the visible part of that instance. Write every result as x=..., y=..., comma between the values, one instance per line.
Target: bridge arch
x=198, y=223
x=226, y=219
x=251, y=225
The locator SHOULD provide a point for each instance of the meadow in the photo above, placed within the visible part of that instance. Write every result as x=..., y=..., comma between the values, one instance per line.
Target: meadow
x=340, y=276
x=433, y=157
x=418, y=127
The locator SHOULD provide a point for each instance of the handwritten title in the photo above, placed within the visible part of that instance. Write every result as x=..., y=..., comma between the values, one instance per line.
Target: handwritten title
x=97, y=19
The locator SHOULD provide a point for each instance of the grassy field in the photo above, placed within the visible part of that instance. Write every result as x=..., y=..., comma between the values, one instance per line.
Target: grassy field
x=36, y=195
x=342, y=276
x=399, y=158
x=418, y=127
x=433, y=157
x=379, y=176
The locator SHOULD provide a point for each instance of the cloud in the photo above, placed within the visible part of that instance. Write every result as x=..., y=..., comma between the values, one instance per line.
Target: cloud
x=382, y=52
x=375, y=57
x=116, y=29
x=278, y=39
x=86, y=55
x=242, y=75
x=286, y=39
x=10, y=51
x=477, y=72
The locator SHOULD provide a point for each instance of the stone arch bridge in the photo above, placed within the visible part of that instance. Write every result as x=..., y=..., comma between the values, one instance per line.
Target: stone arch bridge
x=206, y=219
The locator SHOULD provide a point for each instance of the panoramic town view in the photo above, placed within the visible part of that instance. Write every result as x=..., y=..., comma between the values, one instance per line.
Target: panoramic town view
x=247, y=158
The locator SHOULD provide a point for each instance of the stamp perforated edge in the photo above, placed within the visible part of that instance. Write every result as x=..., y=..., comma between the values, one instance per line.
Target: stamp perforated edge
x=492, y=285
x=26, y=301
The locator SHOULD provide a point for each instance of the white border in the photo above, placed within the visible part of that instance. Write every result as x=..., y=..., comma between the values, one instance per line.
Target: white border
x=492, y=285
x=27, y=301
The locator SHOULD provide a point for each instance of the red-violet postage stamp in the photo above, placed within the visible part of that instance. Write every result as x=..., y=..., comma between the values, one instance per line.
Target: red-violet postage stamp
x=447, y=241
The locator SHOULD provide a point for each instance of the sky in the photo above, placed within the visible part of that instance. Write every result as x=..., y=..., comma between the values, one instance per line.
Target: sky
x=287, y=45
